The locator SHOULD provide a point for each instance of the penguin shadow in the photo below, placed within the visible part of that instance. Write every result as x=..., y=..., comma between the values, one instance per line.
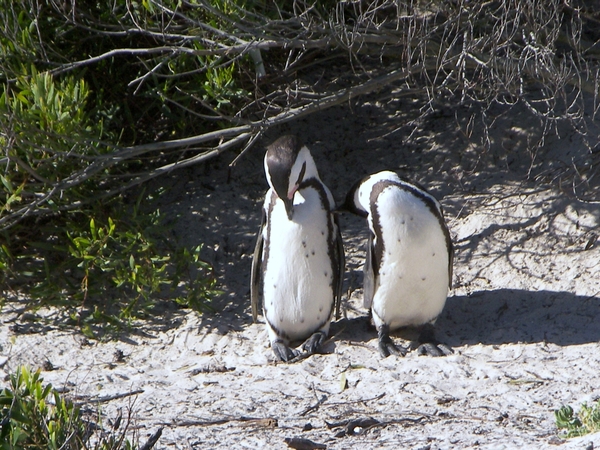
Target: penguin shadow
x=362, y=330
x=507, y=316
x=224, y=316
x=354, y=329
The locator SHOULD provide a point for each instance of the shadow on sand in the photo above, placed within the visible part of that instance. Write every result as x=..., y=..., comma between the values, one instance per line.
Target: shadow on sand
x=495, y=317
x=492, y=317
x=511, y=315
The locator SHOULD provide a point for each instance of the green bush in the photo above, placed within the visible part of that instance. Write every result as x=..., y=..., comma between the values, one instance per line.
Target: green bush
x=30, y=420
x=34, y=416
x=586, y=421
x=107, y=271
x=67, y=237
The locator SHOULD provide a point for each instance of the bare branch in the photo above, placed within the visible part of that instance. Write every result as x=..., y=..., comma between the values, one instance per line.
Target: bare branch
x=476, y=53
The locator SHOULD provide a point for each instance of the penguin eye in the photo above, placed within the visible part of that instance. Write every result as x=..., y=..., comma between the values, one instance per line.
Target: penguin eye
x=302, y=172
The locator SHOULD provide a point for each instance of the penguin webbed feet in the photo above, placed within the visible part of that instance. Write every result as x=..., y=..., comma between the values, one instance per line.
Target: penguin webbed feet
x=387, y=346
x=282, y=351
x=310, y=347
x=429, y=345
x=313, y=344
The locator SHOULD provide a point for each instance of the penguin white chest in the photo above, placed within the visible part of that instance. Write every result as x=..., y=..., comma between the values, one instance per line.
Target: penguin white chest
x=298, y=292
x=413, y=267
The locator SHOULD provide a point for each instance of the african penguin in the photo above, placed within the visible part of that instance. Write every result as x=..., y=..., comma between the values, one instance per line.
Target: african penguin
x=408, y=266
x=298, y=263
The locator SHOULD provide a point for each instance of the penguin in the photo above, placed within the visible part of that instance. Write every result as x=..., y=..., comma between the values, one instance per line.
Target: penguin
x=298, y=263
x=408, y=265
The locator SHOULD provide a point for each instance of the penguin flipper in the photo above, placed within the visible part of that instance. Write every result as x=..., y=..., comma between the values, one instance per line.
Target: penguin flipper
x=369, y=275
x=449, y=246
x=255, y=275
x=450, y=258
x=340, y=262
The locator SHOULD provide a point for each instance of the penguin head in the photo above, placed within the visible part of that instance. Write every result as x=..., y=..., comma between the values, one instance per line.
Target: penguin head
x=359, y=197
x=287, y=165
x=352, y=203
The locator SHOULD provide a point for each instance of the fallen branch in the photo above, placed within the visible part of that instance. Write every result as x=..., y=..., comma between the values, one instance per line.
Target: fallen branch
x=313, y=407
x=264, y=422
x=109, y=398
x=366, y=423
x=152, y=440
x=303, y=444
x=319, y=104
x=232, y=136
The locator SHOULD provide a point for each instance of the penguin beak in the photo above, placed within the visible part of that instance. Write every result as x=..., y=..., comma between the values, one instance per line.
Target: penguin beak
x=289, y=207
x=349, y=207
x=346, y=207
x=289, y=202
x=343, y=208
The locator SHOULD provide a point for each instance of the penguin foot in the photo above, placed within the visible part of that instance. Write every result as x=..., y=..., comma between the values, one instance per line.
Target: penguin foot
x=431, y=349
x=430, y=346
x=313, y=344
x=282, y=351
x=387, y=346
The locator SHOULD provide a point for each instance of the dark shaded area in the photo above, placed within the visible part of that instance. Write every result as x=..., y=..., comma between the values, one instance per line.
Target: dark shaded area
x=503, y=316
x=510, y=315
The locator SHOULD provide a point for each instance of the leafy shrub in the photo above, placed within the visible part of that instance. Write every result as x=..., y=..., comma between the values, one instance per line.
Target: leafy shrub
x=66, y=239
x=587, y=420
x=47, y=136
x=29, y=420
x=35, y=416
x=106, y=271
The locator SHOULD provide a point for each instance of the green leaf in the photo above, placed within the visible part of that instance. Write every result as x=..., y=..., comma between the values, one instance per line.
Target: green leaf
x=343, y=381
x=7, y=184
x=46, y=391
x=93, y=228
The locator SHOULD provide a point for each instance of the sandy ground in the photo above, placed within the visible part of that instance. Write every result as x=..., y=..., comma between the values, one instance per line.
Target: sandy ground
x=523, y=316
